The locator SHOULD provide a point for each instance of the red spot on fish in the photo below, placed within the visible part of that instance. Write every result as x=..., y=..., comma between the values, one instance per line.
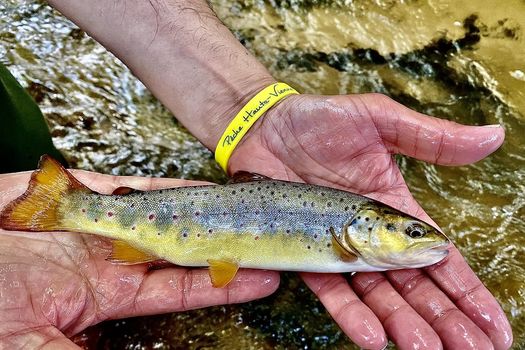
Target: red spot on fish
x=256, y=237
x=151, y=216
x=110, y=214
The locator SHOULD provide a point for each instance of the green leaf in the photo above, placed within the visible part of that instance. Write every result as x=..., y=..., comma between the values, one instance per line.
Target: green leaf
x=24, y=135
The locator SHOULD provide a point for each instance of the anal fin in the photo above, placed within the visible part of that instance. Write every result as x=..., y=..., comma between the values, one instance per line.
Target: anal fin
x=123, y=253
x=222, y=272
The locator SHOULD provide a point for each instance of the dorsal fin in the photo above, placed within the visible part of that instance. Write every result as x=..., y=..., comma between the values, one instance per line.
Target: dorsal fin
x=123, y=190
x=246, y=176
x=340, y=250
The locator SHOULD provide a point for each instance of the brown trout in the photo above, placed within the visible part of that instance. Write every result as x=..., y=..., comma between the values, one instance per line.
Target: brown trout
x=252, y=222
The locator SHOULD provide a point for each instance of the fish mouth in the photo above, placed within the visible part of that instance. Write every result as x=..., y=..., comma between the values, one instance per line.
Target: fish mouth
x=425, y=254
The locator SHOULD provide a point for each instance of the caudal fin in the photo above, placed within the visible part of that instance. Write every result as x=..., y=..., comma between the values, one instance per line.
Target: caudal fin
x=37, y=208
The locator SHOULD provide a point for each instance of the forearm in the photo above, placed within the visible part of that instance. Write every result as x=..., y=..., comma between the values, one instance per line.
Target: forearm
x=181, y=52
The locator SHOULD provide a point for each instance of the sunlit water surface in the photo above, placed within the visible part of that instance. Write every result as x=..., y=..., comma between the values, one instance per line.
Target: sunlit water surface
x=461, y=61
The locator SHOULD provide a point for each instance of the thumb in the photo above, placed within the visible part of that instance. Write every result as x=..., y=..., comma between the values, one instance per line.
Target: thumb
x=431, y=139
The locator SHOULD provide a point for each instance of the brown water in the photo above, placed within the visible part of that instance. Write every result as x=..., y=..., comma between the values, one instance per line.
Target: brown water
x=461, y=61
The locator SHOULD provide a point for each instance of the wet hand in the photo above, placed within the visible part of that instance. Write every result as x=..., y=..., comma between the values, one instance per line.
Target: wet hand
x=54, y=285
x=347, y=142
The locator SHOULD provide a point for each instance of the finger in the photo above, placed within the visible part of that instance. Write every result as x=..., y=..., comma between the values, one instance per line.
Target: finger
x=430, y=139
x=180, y=289
x=454, y=328
x=354, y=317
x=463, y=287
x=403, y=325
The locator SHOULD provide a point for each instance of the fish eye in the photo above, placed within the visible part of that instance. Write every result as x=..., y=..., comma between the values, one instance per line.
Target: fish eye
x=415, y=231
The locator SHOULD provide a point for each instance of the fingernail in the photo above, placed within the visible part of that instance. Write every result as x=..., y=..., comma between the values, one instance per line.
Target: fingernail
x=492, y=126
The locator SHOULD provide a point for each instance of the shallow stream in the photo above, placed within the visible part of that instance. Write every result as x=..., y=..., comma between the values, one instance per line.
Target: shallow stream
x=461, y=61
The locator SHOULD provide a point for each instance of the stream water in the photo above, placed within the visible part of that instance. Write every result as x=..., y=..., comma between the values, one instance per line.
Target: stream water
x=461, y=61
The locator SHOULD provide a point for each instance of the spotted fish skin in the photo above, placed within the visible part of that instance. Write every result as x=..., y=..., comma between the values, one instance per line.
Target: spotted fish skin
x=261, y=224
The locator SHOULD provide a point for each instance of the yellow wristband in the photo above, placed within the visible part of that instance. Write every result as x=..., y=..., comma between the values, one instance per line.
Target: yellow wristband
x=245, y=119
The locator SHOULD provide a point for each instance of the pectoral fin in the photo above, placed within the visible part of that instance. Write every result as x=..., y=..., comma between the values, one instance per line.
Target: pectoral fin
x=125, y=254
x=222, y=272
x=340, y=250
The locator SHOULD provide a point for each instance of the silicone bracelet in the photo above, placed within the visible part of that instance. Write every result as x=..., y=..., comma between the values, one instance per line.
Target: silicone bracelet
x=245, y=119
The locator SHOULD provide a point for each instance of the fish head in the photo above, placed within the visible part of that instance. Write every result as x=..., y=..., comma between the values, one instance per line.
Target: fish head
x=389, y=239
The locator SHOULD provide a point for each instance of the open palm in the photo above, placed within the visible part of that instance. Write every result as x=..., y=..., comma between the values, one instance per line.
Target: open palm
x=54, y=285
x=347, y=142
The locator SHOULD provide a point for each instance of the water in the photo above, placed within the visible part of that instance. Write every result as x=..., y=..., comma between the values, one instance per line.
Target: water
x=458, y=61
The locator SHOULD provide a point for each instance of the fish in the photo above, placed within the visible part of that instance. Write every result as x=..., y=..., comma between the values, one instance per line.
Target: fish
x=251, y=222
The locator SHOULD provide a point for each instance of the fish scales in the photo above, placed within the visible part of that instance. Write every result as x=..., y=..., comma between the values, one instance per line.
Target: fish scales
x=254, y=222
x=263, y=224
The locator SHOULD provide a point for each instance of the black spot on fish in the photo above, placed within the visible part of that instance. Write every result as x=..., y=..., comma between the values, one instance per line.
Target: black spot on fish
x=358, y=218
x=258, y=188
x=250, y=191
x=288, y=231
x=175, y=217
x=234, y=192
x=370, y=229
x=242, y=189
x=346, y=208
x=328, y=245
x=198, y=234
x=390, y=227
x=184, y=234
x=299, y=195
x=329, y=204
x=197, y=213
x=132, y=205
x=320, y=250
x=83, y=210
x=133, y=228
x=341, y=200
x=96, y=220
x=217, y=196
x=377, y=217
x=308, y=247
x=315, y=236
x=305, y=204
x=284, y=195
x=367, y=219
x=353, y=207
x=210, y=230
x=322, y=194
x=158, y=233
x=272, y=193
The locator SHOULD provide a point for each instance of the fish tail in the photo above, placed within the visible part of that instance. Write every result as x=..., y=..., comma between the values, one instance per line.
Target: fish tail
x=37, y=208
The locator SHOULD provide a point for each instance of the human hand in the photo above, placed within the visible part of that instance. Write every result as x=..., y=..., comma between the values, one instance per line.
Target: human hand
x=347, y=142
x=53, y=285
